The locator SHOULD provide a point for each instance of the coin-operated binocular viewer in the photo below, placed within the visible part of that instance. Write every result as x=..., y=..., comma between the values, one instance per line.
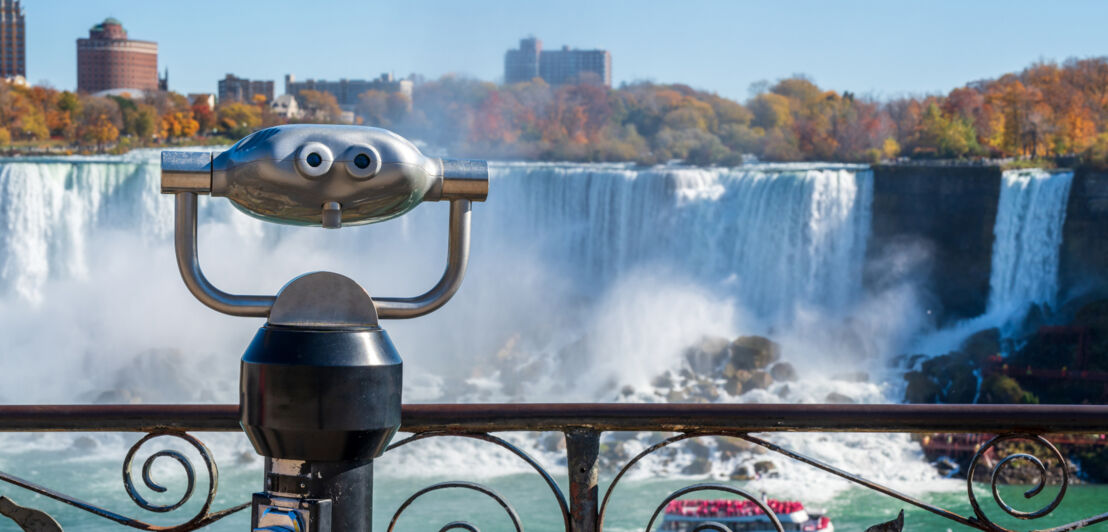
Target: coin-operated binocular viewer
x=321, y=381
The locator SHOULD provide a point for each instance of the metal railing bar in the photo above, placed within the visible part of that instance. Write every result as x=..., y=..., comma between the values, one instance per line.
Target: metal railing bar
x=999, y=419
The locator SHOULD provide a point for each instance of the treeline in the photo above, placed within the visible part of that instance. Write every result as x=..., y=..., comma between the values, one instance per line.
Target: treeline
x=1047, y=110
x=43, y=116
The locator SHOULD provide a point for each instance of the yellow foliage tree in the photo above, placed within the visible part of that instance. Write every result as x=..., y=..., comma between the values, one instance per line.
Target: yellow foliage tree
x=103, y=131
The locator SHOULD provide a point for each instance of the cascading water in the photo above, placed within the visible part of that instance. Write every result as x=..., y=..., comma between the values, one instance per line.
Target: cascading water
x=1028, y=236
x=583, y=279
x=572, y=264
x=774, y=236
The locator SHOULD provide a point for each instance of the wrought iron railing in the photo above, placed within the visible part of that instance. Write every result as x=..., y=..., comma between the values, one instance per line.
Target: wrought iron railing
x=583, y=424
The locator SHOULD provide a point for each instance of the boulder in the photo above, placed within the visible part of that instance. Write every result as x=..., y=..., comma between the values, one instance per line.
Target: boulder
x=943, y=379
x=708, y=354
x=705, y=389
x=742, y=472
x=699, y=466
x=698, y=449
x=733, y=387
x=839, y=399
x=765, y=468
x=731, y=445
x=759, y=380
x=754, y=352
x=664, y=380
x=676, y=396
x=783, y=372
x=982, y=345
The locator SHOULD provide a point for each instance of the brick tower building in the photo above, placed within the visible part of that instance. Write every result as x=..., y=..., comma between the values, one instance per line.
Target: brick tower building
x=108, y=60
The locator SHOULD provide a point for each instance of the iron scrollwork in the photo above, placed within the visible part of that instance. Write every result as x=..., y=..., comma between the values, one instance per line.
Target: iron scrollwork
x=202, y=518
x=563, y=505
x=978, y=521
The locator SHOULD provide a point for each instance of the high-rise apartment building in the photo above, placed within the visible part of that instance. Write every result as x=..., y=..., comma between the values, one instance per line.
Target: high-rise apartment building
x=576, y=66
x=523, y=64
x=108, y=61
x=556, y=67
x=234, y=89
x=13, y=54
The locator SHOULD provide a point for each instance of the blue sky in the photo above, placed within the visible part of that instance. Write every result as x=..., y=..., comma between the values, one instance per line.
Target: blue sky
x=875, y=48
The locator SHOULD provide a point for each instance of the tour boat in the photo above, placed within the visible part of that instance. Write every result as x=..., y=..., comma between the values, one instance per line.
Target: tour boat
x=742, y=516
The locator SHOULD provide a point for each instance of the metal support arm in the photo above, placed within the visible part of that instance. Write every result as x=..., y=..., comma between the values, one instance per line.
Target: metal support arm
x=259, y=306
x=184, y=239
x=457, y=258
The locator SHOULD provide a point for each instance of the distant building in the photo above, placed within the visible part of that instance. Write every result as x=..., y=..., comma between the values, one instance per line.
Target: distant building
x=346, y=91
x=523, y=64
x=285, y=106
x=556, y=67
x=234, y=89
x=205, y=98
x=13, y=54
x=574, y=66
x=109, y=62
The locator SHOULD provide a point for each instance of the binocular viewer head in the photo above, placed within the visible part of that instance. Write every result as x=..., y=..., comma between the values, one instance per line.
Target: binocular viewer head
x=329, y=176
x=324, y=175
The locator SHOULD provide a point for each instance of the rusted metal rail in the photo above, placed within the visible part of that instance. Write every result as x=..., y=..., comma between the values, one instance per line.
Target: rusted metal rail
x=583, y=425
x=997, y=419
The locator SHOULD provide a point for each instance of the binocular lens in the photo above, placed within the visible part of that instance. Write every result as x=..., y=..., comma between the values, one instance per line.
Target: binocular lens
x=362, y=161
x=314, y=159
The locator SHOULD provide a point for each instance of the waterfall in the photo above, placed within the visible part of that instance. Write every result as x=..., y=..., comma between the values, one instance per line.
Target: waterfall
x=775, y=236
x=561, y=252
x=1028, y=236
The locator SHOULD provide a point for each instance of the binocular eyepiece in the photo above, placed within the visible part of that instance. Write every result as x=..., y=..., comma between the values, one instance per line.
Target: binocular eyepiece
x=325, y=176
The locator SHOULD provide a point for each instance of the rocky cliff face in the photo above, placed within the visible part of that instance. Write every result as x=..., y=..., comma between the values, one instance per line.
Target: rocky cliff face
x=948, y=213
x=1084, y=254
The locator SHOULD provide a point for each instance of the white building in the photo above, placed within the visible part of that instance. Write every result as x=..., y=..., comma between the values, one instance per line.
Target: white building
x=285, y=106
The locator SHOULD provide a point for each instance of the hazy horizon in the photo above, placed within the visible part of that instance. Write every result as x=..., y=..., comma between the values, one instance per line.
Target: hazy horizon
x=721, y=47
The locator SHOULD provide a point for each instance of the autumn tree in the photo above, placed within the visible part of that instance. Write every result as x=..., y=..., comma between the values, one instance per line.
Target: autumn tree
x=236, y=119
x=204, y=115
x=179, y=124
x=319, y=106
x=102, y=131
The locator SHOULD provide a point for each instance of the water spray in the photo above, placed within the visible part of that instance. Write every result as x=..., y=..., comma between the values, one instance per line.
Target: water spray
x=320, y=387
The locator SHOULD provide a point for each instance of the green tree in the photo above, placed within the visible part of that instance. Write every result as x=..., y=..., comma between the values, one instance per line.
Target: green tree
x=144, y=122
x=946, y=136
